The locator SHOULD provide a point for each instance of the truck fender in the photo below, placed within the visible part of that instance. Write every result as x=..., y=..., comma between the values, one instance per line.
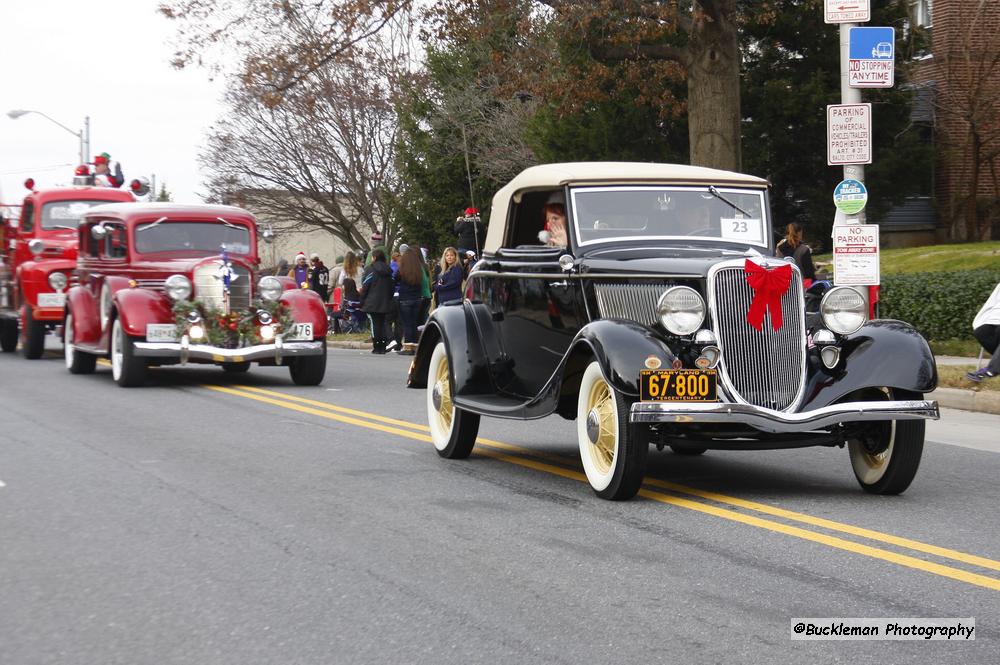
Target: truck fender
x=86, y=318
x=33, y=278
x=884, y=352
x=306, y=306
x=138, y=307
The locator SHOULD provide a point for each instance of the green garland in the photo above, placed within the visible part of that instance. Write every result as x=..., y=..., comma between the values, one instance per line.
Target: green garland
x=234, y=329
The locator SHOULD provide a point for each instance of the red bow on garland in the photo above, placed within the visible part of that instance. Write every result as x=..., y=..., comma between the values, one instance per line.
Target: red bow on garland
x=768, y=287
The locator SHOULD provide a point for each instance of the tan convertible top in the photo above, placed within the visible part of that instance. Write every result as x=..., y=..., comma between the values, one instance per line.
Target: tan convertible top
x=553, y=176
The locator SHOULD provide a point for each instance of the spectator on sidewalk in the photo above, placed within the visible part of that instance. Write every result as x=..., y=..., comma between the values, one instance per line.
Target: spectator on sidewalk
x=300, y=271
x=352, y=268
x=793, y=247
x=411, y=284
x=470, y=231
x=449, y=284
x=986, y=328
x=336, y=271
x=394, y=323
x=377, y=287
x=319, y=277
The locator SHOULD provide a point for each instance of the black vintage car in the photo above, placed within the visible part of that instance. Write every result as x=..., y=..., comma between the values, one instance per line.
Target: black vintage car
x=667, y=321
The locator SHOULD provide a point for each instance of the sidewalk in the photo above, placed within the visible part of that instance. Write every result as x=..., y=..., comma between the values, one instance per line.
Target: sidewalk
x=953, y=398
x=967, y=399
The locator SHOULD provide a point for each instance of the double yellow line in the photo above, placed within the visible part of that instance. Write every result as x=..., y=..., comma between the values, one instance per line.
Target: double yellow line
x=748, y=512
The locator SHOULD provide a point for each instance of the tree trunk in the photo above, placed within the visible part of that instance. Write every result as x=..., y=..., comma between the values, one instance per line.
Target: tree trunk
x=714, y=92
x=971, y=203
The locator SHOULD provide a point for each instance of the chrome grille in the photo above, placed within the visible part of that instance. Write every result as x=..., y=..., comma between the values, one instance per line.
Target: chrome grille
x=765, y=368
x=208, y=286
x=151, y=284
x=635, y=302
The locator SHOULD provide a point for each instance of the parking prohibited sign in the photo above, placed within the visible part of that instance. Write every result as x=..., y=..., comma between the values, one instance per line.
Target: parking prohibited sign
x=847, y=11
x=855, y=255
x=872, y=57
x=848, y=134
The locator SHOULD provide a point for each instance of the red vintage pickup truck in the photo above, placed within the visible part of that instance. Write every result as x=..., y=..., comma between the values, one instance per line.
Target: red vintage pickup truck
x=167, y=284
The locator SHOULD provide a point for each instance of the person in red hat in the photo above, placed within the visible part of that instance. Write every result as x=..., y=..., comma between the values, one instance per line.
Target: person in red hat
x=471, y=231
x=106, y=172
x=300, y=271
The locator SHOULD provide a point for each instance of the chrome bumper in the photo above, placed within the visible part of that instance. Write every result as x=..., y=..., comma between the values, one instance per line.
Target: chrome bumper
x=769, y=420
x=185, y=351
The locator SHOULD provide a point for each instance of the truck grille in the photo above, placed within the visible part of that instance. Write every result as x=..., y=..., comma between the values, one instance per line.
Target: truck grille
x=151, y=284
x=764, y=368
x=208, y=286
x=635, y=302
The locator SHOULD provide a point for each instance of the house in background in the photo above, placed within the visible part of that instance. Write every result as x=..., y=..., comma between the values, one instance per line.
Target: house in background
x=957, y=81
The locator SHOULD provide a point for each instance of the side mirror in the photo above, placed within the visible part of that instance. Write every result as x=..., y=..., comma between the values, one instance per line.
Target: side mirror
x=35, y=246
x=98, y=231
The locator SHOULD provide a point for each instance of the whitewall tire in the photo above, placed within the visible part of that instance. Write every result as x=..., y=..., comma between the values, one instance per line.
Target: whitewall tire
x=77, y=362
x=453, y=431
x=613, y=452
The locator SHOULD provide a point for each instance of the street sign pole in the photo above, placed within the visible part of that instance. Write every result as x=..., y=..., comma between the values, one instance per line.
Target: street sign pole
x=849, y=95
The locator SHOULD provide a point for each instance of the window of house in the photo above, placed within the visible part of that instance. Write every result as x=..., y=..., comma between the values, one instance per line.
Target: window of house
x=922, y=12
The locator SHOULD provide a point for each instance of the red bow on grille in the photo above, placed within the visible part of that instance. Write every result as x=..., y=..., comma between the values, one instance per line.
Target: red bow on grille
x=768, y=287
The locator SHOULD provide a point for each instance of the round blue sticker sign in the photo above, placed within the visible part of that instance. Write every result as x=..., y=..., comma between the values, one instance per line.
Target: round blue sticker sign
x=850, y=196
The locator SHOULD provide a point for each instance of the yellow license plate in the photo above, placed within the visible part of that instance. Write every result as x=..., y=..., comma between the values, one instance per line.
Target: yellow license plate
x=678, y=385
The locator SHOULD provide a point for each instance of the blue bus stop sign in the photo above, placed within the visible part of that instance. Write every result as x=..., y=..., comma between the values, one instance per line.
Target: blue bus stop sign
x=872, y=57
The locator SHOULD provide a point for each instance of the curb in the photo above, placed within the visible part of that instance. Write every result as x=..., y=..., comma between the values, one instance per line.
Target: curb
x=346, y=344
x=949, y=398
x=967, y=400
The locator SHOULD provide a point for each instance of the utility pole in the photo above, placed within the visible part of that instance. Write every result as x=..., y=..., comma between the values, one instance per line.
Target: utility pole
x=85, y=140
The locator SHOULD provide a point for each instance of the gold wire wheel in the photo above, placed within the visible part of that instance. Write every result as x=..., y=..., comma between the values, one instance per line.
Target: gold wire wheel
x=602, y=426
x=442, y=395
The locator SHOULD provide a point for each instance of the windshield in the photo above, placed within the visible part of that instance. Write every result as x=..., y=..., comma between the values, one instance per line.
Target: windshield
x=66, y=214
x=209, y=237
x=608, y=214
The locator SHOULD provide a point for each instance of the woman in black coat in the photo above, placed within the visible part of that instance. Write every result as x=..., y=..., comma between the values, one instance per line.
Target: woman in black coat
x=377, y=289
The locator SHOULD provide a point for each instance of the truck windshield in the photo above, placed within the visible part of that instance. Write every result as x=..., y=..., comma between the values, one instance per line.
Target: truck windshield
x=180, y=236
x=67, y=214
x=609, y=214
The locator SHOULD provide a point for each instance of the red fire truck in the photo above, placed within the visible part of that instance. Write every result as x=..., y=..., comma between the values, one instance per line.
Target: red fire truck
x=38, y=252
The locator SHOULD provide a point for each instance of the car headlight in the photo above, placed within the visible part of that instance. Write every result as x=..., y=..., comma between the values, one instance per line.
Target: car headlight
x=270, y=288
x=178, y=287
x=58, y=281
x=681, y=310
x=843, y=310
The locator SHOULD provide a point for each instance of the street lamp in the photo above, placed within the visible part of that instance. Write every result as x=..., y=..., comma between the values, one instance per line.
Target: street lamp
x=83, y=135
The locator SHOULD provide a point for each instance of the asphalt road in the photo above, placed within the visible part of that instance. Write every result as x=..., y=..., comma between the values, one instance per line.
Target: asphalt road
x=207, y=518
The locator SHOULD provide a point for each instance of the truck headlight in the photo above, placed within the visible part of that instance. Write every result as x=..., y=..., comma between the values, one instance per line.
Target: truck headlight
x=843, y=310
x=178, y=287
x=270, y=288
x=681, y=310
x=58, y=281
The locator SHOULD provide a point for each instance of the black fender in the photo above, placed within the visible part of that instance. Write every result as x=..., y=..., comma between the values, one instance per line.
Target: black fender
x=622, y=348
x=884, y=352
x=463, y=327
